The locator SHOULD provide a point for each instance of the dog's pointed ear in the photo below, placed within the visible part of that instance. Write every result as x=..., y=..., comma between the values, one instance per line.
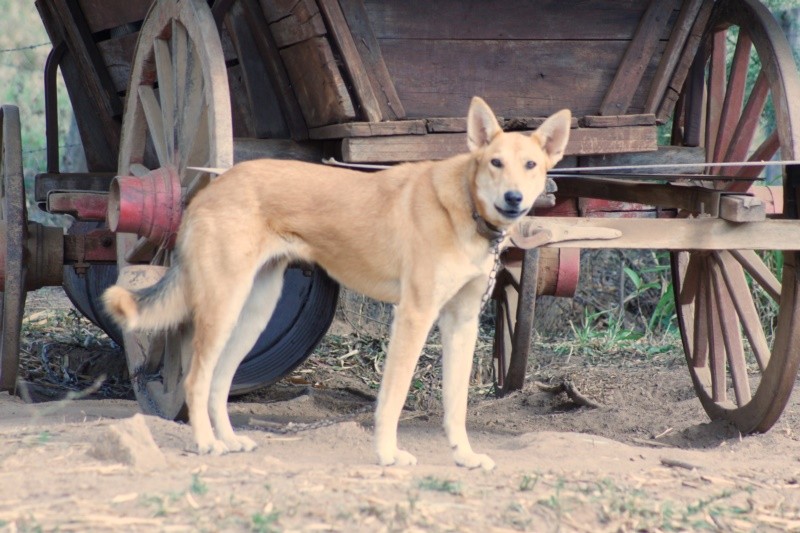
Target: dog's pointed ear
x=553, y=135
x=482, y=125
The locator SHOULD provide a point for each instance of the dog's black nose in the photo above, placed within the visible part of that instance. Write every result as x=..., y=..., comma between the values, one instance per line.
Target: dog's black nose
x=513, y=198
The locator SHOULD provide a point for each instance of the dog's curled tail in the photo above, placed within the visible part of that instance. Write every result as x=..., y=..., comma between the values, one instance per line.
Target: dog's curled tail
x=158, y=307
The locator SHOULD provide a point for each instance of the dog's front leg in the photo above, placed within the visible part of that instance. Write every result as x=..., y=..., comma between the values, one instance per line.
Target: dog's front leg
x=409, y=331
x=458, y=325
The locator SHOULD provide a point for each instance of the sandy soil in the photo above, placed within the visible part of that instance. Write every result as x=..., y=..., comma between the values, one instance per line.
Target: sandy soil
x=647, y=460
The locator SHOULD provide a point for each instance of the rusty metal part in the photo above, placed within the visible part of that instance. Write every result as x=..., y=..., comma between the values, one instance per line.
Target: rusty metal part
x=83, y=205
x=149, y=205
x=97, y=246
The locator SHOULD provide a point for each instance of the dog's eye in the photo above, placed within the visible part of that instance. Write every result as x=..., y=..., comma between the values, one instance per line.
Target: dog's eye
x=496, y=163
x=530, y=165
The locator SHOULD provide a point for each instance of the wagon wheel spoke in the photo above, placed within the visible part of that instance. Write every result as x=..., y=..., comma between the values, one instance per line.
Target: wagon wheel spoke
x=761, y=273
x=701, y=311
x=739, y=292
x=505, y=315
x=734, y=95
x=155, y=122
x=731, y=334
x=166, y=94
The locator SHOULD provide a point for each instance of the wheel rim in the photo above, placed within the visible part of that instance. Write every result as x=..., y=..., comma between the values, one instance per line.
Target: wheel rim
x=13, y=218
x=741, y=364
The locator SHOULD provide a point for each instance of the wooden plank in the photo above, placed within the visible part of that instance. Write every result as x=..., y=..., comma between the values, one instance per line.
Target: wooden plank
x=684, y=63
x=692, y=199
x=367, y=45
x=664, y=155
x=276, y=71
x=742, y=208
x=106, y=14
x=459, y=124
x=672, y=53
x=78, y=38
x=99, y=131
x=362, y=86
x=317, y=82
x=511, y=20
x=440, y=146
x=613, y=121
x=118, y=56
x=452, y=72
x=293, y=21
x=674, y=233
x=369, y=129
x=253, y=96
x=638, y=56
x=292, y=30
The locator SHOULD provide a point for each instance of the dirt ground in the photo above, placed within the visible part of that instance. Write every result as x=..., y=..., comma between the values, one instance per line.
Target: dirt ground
x=647, y=460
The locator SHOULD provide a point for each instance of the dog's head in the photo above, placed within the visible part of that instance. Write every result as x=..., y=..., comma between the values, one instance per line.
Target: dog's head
x=512, y=167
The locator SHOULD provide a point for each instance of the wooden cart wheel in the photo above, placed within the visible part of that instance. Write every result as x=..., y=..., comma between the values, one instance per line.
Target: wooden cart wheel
x=743, y=361
x=177, y=116
x=515, y=301
x=13, y=216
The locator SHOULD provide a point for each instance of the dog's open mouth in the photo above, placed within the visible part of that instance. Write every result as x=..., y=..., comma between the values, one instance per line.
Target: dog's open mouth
x=509, y=213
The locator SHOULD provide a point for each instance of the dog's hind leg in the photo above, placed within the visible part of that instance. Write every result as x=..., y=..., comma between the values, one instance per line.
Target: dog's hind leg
x=458, y=325
x=215, y=317
x=254, y=316
x=409, y=331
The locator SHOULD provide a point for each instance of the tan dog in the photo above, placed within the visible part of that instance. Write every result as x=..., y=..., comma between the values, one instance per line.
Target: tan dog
x=417, y=235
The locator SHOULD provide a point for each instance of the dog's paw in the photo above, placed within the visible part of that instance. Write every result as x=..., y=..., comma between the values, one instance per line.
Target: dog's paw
x=398, y=458
x=473, y=460
x=212, y=447
x=240, y=443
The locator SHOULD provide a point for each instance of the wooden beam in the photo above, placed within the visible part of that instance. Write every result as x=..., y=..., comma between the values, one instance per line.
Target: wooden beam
x=367, y=44
x=317, y=82
x=674, y=233
x=273, y=64
x=637, y=57
x=359, y=77
x=615, y=121
x=672, y=53
x=583, y=141
x=688, y=198
x=369, y=129
x=687, y=57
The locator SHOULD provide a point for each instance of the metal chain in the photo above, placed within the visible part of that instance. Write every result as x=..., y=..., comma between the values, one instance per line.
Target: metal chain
x=495, y=270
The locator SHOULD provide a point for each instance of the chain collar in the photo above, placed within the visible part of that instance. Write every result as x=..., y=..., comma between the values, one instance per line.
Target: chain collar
x=495, y=236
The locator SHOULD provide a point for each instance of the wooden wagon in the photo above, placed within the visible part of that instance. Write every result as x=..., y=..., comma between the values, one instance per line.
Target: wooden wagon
x=159, y=89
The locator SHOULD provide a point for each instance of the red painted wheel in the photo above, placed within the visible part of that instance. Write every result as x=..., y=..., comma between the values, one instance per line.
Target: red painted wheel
x=13, y=217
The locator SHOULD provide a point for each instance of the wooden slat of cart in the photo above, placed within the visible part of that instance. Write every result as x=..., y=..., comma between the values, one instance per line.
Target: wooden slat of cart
x=357, y=20
x=672, y=53
x=687, y=57
x=273, y=64
x=106, y=14
x=352, y=60
x=317, y=82
x=442, y=145
x=637, y=57
x=78, y=37
x=99, y=131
